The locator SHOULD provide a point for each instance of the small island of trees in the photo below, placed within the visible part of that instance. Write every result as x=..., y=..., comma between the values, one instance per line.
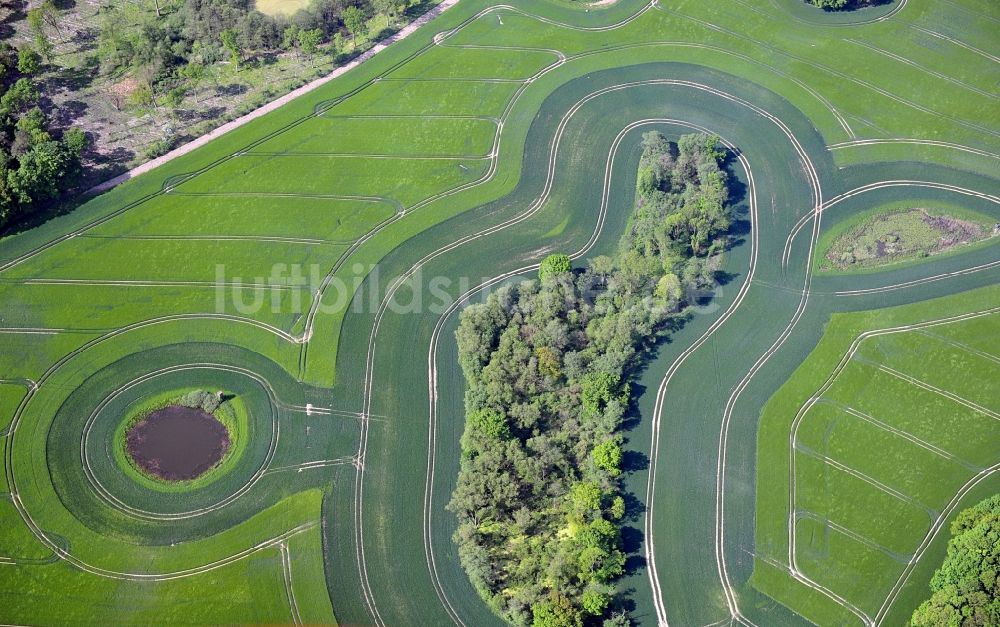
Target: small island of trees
x=539, y=498
x=845, y=5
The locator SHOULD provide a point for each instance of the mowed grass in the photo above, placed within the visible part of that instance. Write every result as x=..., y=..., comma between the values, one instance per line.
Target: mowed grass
x=406, y=181
x=420, y=137
x=904, y=425
x=209, y=597
x=416, y=98
x=177, y=259
x=289, y=217
x=16, y=543
x=472, y=64
x=310, y=593
x=10, y=396
x=415, y=123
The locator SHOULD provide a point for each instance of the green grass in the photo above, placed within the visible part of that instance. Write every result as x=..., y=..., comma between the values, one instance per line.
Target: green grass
x=406, y=181
x=320, y=181
x=919, y=445
x=420, y=137
x=248, y=216
x=905, y=233
x=211, y=597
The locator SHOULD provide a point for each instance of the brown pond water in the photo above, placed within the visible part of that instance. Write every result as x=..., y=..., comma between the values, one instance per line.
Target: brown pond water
x=177, y=443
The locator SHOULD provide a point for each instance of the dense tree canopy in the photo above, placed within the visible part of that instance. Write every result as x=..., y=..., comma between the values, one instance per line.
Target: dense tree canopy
x=844, y=5
x=157, y=45
x=554, y=265
x=966, y=589
x=539, y=497
x=36, y=166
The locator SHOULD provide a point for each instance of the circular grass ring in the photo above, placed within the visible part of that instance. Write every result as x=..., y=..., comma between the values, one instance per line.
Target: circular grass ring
x=103, y=497
x=145, y=502
x=231, y=415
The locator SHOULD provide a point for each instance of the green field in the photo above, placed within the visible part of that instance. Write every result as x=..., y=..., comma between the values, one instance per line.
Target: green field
x=264, y=263
x=867, y=445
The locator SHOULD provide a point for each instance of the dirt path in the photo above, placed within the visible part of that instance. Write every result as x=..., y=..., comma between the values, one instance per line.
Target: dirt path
x=271, y=106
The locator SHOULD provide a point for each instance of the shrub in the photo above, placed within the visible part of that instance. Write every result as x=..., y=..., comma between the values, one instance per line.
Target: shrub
x=207, y=401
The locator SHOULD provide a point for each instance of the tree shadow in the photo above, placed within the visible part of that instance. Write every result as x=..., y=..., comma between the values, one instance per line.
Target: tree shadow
x=634, y=461
x=16, y=10
x=632, y=538
x=385, y=33
x=69, y=112
x=232, y=89
x=267, y=58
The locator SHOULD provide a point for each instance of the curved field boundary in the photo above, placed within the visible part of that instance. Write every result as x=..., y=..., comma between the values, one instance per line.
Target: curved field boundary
x=464, y=299
x=368, y=381
x=301, y=331
x=937, y=522
x=857, y=143
x=274, y=104
x=125, y=508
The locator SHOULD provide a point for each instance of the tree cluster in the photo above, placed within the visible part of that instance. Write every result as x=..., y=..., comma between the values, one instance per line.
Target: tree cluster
x=966, y=589
x=539, y=498
x=206, y=401
x=36, y=165
x=160, y=44
x=844, y=5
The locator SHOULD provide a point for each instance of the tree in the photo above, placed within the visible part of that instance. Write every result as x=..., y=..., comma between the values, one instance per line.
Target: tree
x=309, y=40
x=585, y=498
x=595, y=602
x=202, y=399
x=290, y=38
x=29, y=130
x=669, y=288
x=608, y=456
x=391, y=8
x=485, y=425
x=193, y=72
x=966, y=589
x=547, y=361
x=554, y=265
x=175, y=97
x=557, y=611
x=598, y=389
x=75, y=141
x=354, y=21
x=20, y=97
x=230, y=41
x=51, y=15
x=28, y=61
x=39, y=173
x=617, y=509
x=36, y=22
x=141, y=96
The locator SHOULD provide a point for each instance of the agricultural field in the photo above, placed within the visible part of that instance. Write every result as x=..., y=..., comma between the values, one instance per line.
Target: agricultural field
x=797, y=449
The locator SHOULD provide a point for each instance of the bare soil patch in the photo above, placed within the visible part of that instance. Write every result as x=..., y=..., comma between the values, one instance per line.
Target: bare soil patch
x=177, y=443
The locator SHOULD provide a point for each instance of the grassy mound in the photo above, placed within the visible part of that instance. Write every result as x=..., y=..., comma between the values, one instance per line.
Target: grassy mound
x=886, y=237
